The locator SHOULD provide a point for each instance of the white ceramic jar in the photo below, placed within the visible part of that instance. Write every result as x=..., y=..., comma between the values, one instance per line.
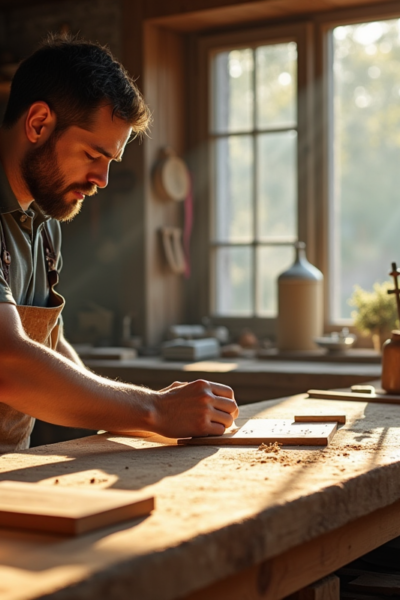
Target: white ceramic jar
x=300, y=304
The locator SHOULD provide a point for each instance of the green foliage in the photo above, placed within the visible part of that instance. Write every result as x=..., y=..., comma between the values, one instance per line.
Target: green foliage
x=366, y=87
x=376, y=311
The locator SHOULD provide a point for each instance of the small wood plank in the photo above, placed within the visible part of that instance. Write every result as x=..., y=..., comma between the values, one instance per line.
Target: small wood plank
x=386, y=584
x=269, y=431
x=331, y=395
x=69, y=511
x=321, y=418
x=327, y=588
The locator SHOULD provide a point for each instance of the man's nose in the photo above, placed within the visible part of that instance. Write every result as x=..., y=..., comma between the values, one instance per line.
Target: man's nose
x=99, y=177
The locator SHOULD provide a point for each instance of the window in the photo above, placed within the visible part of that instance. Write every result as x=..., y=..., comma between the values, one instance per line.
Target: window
x=365, y=184
x=253, y=135
x=302, y=131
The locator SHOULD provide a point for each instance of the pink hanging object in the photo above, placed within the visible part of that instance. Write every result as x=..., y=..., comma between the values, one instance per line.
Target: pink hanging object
x=188, y=226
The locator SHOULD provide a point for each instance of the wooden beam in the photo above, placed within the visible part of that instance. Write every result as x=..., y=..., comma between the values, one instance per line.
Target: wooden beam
x=327, y=588
x=197, y=15
x=301, y=566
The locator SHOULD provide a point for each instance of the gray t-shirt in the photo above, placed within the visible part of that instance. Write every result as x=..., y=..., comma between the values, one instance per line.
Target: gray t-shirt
x=22, y=231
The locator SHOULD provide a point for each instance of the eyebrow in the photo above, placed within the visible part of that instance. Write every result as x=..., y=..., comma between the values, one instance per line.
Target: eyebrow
x=104, y=152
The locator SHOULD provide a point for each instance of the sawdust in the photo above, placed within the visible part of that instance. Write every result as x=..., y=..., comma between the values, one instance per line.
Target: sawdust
x=274, y=453
x=354, y=446
x=275, y=447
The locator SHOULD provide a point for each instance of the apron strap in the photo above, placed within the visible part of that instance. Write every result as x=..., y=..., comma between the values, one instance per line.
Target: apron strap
x=5, y=257
x=50, y=255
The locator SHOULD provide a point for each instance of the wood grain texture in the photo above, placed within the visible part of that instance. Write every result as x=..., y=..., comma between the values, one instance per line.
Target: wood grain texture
x=197, y=15
x=220, y=511
x=254, y=432
x=297, y=568
x=30, y=507
x=327, y=588
x=164, y=89
x=320, y=418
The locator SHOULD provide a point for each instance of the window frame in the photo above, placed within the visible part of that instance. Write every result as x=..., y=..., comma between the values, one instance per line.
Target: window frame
x=314, y=157
x=209, y=45
x=324, y=142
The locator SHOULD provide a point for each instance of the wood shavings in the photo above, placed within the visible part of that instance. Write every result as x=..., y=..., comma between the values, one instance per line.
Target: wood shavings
x=270, y=448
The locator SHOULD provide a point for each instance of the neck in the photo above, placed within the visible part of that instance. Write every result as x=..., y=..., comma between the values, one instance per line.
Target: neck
x=10, y=158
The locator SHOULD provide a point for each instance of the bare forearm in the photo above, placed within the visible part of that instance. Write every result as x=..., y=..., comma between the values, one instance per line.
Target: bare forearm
x=45, y=385
x=66, y=350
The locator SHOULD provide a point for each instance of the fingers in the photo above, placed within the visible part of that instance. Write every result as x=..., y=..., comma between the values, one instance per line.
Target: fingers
x=221, y=417
x=194, y=408
x=216, y=429
x=219, y=389
x=221, y=396
x=226, y=405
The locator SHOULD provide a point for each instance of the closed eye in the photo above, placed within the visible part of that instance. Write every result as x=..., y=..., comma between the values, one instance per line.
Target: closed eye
x=90, y=157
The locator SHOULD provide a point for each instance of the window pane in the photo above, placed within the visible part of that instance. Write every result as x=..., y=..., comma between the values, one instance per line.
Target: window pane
x=234, y=189
x=233, y=281
x=276, y=78
x=366, y=182
x=233, y=91
x=271, y=262
x=277, y=189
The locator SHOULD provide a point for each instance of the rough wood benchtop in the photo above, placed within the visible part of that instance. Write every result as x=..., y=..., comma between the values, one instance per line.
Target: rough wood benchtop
x=218, y=510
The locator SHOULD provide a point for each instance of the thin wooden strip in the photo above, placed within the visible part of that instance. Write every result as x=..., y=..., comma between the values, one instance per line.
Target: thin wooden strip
x=331, y=395
x=328, y=418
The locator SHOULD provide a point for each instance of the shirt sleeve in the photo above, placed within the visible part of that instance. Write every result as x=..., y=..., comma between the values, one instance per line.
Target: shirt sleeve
x=5, y=291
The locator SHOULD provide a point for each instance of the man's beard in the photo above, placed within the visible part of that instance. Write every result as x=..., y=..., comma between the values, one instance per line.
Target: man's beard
x=45, y=181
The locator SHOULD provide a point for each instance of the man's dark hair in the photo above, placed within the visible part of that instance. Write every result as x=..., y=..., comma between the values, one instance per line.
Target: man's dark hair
x=75, y=77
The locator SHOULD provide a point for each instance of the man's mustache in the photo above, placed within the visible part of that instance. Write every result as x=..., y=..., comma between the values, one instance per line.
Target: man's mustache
x=88, y=189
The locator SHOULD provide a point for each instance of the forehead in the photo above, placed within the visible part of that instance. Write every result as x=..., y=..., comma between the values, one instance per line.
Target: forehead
x=105, y=130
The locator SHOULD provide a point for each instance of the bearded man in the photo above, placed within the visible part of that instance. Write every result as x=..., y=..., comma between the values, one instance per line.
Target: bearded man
x=71, y=111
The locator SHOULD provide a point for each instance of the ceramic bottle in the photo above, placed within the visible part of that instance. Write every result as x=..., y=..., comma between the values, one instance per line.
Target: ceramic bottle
x=391, y=364
x=300, y=304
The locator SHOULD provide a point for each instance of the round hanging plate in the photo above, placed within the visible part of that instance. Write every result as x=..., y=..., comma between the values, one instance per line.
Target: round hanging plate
x=172, y=178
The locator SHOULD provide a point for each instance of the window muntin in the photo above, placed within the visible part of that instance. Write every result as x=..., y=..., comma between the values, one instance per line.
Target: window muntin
x=253, y=134
x=364, y=215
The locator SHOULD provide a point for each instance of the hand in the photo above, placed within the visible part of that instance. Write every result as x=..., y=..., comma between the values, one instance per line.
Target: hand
x=194, y=409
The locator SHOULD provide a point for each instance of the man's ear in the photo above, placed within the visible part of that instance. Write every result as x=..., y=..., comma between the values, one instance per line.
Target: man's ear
x=40, y=123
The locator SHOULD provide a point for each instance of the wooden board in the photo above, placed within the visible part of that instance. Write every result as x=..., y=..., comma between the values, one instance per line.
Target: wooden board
x=69, y=511
x=320, y=418
x=269, y=431
x=332, y=395
x=327, y=588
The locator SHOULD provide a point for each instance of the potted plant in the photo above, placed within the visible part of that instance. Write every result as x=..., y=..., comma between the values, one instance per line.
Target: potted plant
x=375, y=313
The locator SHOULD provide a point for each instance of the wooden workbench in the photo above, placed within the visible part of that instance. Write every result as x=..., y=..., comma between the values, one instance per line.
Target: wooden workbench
x=234, y=522
x=252, y=379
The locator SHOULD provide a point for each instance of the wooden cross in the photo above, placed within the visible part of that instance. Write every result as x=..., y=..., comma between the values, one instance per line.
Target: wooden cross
x=395, y=273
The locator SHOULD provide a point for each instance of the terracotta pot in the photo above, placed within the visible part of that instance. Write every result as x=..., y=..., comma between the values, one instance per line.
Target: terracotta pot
x=378, y=340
